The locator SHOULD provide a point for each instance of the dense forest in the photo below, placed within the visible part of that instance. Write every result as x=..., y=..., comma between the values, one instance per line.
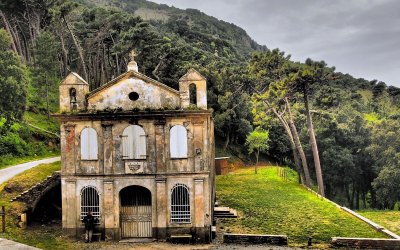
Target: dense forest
x=340, y=133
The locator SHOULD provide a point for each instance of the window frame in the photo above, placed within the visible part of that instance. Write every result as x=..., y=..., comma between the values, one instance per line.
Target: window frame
x=175, y=149
x=88, y=132
x=181, y=212
x=96, y=214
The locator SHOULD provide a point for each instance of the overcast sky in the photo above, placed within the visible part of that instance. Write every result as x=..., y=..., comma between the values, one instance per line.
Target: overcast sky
x=360, y=37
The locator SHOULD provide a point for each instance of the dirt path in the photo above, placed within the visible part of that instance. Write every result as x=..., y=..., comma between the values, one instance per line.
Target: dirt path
x=9, y=172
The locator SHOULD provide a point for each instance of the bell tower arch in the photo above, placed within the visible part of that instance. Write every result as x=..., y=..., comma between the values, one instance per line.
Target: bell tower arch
x=73, y=90
x=193, y=90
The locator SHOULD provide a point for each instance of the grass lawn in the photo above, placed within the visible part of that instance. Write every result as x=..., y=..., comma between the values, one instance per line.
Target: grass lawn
x=268, y=204
x=386, y=218
x=44, y=237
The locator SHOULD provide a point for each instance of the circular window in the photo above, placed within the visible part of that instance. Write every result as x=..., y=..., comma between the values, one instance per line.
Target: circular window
x=133, y=96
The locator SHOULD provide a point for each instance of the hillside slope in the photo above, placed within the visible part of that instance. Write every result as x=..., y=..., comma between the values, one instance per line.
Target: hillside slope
x=189, y=24
x=268, y=204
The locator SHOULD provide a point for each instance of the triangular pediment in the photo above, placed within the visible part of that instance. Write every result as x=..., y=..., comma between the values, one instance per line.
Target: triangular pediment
x=192, y=75
x=133, y=74
x=131, y=91
x=74, y=79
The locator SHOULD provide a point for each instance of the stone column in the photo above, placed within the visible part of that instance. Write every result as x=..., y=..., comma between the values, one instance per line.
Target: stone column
x=160, y=146
x=108, y=210
x=198, y=145
x=68, y=154
x=161, y=207
x=199, y=209
x=69, y=208
x=199, y=202
x=108, y=148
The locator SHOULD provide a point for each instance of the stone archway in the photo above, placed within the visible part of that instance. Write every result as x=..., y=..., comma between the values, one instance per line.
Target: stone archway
x=135, y=212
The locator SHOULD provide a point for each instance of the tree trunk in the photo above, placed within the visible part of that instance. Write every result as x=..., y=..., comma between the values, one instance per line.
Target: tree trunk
x=353, y=191
x=255, y=167
x=79, y=49
x=8, y=29
x=313, y=142
x=357, y=200
x=290, y=137
x=346, y=187
x=47, y=97
x=363, y=196
x=64, y=52
x=292, y=144
x=116, y=57
x=25, y=43
x=226, y=141
x=298, y=145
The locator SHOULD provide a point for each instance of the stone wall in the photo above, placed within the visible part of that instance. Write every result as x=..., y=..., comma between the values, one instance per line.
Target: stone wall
x=365, y=243
x=278, y=240
x=33, y=195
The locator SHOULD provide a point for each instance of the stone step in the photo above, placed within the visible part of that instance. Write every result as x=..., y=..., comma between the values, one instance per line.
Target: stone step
x=227, y=217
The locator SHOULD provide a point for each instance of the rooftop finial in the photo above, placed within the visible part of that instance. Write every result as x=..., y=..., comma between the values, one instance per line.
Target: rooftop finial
x=132, y=65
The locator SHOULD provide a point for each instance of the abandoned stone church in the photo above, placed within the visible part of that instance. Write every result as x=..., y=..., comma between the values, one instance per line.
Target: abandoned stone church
x=139, y=155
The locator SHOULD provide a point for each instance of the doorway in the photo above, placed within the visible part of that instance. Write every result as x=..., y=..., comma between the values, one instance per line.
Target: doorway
x=135, y=212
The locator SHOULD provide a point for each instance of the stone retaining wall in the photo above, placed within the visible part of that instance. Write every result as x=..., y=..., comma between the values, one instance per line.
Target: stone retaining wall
x=365, y=243
x=278, y=240
x=360, y=217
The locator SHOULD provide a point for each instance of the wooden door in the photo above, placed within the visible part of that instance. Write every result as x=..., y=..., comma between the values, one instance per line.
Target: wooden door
x=135, y=212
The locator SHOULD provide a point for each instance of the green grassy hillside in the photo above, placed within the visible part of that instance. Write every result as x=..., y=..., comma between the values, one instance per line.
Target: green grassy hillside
x=386, y=218
x=30, y=139
x=268, y=204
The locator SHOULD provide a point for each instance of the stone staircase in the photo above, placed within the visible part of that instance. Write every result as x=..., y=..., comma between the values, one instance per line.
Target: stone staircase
x=224, y=212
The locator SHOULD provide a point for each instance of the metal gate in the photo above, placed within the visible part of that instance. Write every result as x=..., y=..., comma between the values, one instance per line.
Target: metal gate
x=135, y=212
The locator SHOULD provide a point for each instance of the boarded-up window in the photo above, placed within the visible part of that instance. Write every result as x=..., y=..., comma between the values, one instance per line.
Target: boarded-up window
x=178, y=142
x=134, y=143
x=90, y=202
x=180, y=204
x=89, y=146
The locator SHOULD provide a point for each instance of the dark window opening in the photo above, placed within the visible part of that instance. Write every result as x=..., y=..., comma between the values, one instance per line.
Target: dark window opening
x=192, y=94
x=72, y=98
x=133, y=96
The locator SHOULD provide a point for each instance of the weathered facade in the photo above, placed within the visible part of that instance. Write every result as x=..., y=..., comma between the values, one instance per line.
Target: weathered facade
x=138, y=155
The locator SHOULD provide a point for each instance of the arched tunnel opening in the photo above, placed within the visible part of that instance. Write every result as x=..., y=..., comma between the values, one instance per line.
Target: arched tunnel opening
x=48, y=208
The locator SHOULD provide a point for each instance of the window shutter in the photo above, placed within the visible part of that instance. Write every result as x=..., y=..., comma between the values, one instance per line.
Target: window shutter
x=125, y=151
x=134, y=142
x=178, y=142
x=93, y=145
x=89, y=145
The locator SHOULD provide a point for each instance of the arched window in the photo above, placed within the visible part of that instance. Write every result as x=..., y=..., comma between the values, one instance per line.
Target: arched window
x=72, y=98
x=89, y=146
x=192, y=94
x=180, y=204
x=178, y=142
x=134, y=143
x=90, y=202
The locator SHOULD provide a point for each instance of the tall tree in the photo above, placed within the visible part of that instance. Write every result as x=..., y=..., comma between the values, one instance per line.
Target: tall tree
x=46, y=66
x=13, y=81
x=309, y=74
x=272, y=69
